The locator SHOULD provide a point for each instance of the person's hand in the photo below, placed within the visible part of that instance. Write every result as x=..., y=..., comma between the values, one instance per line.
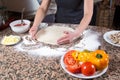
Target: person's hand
x=33, y=31
x=69, y=37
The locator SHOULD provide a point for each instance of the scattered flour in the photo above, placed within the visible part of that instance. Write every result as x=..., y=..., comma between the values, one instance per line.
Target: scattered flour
x=40, y=50
x=90, y=41
x=46, y=51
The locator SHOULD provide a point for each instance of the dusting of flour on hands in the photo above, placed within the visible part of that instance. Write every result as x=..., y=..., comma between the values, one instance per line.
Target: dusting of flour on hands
x=90, y=41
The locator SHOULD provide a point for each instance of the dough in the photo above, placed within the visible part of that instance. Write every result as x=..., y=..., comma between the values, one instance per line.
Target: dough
x=51, y=34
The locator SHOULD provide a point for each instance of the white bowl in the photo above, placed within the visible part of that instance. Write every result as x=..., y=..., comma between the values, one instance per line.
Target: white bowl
x=18, y=28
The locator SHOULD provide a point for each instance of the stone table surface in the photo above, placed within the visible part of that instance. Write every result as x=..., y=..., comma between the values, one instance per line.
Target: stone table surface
x=18, y=65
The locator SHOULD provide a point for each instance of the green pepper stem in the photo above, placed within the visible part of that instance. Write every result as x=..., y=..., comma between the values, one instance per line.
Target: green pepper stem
x=99, y=56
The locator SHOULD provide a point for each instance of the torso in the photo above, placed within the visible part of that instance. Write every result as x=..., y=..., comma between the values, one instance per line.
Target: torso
x=69, y=11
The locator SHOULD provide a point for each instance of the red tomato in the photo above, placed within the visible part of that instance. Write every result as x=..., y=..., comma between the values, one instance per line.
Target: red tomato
x=88, y=68
x=76, y=68
x=71, y=64
x=68, y=58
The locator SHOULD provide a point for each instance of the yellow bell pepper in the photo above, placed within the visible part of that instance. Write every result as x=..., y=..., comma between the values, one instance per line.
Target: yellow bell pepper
x=81, y=56
x=100, y=59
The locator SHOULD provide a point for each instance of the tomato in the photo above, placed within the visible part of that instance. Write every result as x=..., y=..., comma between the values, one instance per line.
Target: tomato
x=71, y=64
x=68, y=58
x=88, y=69
x=76, y=68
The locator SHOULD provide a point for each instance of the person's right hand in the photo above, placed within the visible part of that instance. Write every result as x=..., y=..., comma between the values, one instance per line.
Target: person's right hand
x=33, y=31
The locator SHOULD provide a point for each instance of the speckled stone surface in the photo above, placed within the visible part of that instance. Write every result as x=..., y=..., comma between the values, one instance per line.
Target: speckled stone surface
x=16, y=65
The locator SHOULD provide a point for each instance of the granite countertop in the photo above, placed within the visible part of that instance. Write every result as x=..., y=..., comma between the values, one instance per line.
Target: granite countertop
x=19, y=65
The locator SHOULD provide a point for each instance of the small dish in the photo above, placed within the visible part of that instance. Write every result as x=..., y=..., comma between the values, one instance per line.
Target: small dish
x=17, y=27
x=106, y=37
x=10, y=40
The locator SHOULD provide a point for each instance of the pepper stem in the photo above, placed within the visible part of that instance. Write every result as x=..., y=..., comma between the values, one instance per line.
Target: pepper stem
x=99, y=56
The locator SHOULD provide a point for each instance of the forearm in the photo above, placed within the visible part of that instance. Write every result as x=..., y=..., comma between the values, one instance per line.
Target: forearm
x=84, y=23
x=40, y=14
x=88, y=12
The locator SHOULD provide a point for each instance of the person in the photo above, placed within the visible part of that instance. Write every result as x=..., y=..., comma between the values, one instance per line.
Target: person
x=116, y=21
x=68, y=11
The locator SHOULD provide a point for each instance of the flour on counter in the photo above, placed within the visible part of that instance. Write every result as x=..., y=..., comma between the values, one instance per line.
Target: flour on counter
x=46, y=51
x=39, y=50
x=90, y=41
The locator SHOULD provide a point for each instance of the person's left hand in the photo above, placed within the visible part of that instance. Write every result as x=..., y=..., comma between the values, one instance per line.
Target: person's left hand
x=69, y=37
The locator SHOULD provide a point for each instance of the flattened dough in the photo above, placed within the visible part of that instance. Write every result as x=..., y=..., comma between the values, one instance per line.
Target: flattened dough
x=51, y=34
